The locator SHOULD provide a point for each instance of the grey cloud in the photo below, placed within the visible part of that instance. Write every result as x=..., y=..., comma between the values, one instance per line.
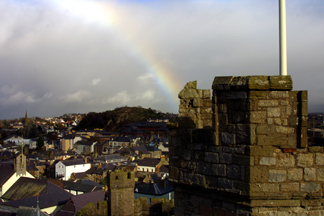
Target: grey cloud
x=54, y=60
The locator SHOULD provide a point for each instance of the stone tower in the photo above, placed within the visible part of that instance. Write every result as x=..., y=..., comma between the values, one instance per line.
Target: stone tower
x=20, y=164
x=254, y=159
x=121, y=185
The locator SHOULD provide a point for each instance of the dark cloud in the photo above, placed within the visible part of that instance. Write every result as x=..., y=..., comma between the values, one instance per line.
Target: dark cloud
x=78, y=56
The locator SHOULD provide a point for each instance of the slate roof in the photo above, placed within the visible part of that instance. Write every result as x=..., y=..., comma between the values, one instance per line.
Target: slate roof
x=151, y=162
x=27, y=211
x=76, y=203
x=7, y=170
x=164, y=169
x=120, y=139
x=26, y=189
x=152, y=148
x=73, y=162
x=158, y=188
x=80, y=186
x=110, y=158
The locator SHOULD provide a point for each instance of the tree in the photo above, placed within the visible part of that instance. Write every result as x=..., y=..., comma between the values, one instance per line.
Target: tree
x=40, y=143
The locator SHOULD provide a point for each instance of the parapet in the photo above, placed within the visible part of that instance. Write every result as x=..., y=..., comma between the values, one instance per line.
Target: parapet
x=230, y=83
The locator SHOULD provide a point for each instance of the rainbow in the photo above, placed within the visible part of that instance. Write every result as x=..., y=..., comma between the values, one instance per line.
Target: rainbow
x=108, y=15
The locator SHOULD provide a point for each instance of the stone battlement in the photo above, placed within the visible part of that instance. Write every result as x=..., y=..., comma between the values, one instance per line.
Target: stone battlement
x=250, y=157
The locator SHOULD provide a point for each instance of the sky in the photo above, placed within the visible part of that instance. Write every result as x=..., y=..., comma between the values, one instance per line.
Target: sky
x=80, y=56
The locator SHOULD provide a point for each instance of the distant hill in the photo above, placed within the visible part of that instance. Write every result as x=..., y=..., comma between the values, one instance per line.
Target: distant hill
x=115, y=120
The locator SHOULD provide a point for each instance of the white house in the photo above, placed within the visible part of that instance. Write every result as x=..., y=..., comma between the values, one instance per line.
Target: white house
x=64, y=169
x=147, y=164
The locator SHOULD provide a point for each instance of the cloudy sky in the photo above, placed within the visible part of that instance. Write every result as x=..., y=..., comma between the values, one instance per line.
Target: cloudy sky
x=78, y=56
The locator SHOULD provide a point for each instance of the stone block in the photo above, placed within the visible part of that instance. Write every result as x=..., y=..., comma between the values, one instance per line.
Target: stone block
x=319, y=159
x=289, y=187
x=258, y=174
x=228, y=138
x=225, y=183
x=258, y=117
x=274, y=140
x=309, y=174
x=285, y=130
x=268, y=161
x=305, y=160
x=262, y=151
x=295, y=174
x=203, y=168
x=218, y=169
x=280, y=95
x=211, y=157
x=309, y=187
x=188, y=93
x=233, y=171
x=275, y=203
x=265, y=129
x=268, y=103
x=286, y=160
x=277, y=175
x=258, y=82
x=226, y=158
x=320, y=174
x=257, y=95
x=281, y=83
x=273, y=112
x=268, y=187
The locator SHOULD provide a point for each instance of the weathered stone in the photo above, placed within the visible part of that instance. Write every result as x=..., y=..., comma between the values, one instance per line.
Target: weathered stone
x=258, y=174
x=211, y=157
x=309, y=187
x=265, y=129
x=218, y=169
x=269, y=161
x=233, y=171
x=258, y=116
x=320, y=174
x=319, y=159
x=305, y=160
x=268, y=187
x=286, y=160
x=268, y=103
x=281, y=82
x=285, y=130
x=309, y=174
x=277, y=175
x=226, y=158
x=228, y=138
x=273, y=112
x=289, y=187
x=295, y=174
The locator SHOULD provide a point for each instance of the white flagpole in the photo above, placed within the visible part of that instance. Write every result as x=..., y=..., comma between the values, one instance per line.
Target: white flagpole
x=283, y=37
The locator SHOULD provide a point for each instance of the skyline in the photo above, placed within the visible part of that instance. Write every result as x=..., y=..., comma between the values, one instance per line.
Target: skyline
x=85, y=56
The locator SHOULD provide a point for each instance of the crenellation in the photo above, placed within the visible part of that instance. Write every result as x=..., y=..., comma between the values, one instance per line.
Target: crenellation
x=253, y=158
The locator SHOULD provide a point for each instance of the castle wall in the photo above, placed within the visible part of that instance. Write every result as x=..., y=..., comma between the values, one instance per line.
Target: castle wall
x=254, y=160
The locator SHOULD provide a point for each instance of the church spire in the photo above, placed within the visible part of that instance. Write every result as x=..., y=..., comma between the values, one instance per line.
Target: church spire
x=26, y=120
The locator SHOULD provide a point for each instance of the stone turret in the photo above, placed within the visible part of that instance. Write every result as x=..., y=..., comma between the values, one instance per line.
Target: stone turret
x=121, y=185
x=254, y=160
